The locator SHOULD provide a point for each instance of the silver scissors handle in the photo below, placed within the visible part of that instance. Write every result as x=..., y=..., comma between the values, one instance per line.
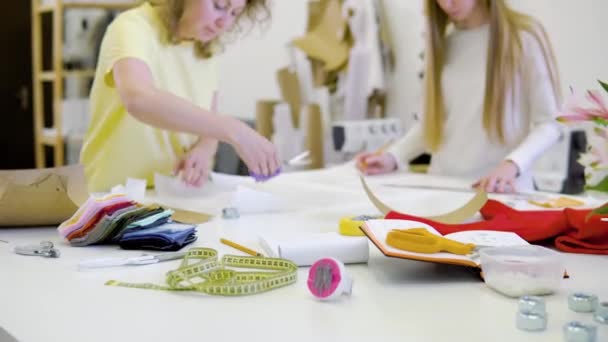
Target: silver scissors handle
x=44, y=249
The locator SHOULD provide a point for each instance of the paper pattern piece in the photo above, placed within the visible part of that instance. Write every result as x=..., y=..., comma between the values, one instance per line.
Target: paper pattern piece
x=325, y=40
x=170, y=186
x=190, y=217
x=557, y=203
x=250, y=201
x=459, y=215
x=41, y=197
x=488, y=238
x=305, y=250
x=357, y=84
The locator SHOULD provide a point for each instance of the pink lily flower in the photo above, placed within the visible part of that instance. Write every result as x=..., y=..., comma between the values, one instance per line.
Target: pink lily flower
x=600, y=154
x=572, y=111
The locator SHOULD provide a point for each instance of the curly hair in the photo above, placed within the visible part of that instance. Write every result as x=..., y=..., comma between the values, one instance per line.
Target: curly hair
x=255, y=12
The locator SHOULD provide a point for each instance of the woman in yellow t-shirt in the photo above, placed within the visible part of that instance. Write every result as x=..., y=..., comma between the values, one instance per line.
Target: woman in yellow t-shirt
x=151, y=100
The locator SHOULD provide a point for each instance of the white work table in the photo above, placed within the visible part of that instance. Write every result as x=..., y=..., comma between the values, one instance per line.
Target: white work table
x=393, y=300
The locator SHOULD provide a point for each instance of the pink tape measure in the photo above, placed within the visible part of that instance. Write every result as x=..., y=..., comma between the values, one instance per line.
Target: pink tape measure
x=327, y=279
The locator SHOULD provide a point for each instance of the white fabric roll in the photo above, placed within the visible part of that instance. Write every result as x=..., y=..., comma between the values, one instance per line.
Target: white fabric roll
x=305, y=250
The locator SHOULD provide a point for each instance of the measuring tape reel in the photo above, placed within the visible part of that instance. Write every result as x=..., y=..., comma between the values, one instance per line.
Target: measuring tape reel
x=201, y=271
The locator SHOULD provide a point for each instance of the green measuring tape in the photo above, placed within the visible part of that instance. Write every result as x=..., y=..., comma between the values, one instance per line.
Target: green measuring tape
x=201, y=271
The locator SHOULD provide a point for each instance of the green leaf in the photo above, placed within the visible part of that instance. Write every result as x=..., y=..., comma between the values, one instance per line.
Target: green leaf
x=603, y=209
x=604, y=85
x=600, y=121
x=601, y=186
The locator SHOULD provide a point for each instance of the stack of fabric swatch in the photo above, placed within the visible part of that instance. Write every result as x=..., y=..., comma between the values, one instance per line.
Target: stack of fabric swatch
x=117, y=219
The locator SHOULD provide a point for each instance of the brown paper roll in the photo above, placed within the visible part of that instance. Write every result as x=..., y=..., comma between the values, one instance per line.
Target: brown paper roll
x=314, y=136
x=263, y=117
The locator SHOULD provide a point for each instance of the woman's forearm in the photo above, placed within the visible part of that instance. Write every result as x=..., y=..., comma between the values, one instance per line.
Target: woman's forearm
x=164, y=110
x=159, y=108
x=207, y=143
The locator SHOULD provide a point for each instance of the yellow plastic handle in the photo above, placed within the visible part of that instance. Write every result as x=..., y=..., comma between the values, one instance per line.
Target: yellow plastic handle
x=349, y=226
x=420, y=240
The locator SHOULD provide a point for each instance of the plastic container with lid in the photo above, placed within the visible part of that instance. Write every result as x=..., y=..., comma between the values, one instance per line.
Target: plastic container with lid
x=522, y=270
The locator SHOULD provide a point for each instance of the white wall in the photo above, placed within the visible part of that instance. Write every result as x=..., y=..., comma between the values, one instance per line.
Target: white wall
x=248, y=66
x=577, y=31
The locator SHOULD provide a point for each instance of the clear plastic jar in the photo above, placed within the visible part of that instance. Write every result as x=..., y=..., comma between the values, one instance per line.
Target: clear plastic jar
x=522, y=270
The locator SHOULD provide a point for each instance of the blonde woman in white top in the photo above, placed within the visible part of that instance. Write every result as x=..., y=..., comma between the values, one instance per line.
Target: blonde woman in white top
x=491, y=92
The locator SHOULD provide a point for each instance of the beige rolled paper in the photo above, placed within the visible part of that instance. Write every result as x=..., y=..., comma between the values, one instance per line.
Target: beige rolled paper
x=263, y=117
x=314, y=136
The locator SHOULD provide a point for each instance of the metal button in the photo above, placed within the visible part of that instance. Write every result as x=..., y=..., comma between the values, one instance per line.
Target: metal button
x=582, y=302
x=601, y=313
x=529, y=321
x=579, y=332
x=532, y=304
x=230, y=213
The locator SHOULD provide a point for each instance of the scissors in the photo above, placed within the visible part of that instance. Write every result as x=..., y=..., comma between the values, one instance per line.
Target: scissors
x=420, y=240
x=136, y=261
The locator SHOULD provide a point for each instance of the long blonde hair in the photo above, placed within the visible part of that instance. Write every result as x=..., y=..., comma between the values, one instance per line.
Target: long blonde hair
x=504, y=62
x=171, y=11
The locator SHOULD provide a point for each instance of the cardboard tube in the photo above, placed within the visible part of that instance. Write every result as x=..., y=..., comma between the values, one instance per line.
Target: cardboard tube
x=290, y=91
x=314, y=136
x=263, y=117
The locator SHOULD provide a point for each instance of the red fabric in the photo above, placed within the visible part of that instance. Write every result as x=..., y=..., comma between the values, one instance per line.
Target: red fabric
x=574, y=231
x=586, y=235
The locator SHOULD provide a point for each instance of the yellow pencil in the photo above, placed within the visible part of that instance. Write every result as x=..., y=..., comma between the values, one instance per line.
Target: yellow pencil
x=240, y=247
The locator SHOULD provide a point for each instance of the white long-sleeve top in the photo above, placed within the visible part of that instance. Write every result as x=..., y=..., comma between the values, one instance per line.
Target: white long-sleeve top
x=466, y=150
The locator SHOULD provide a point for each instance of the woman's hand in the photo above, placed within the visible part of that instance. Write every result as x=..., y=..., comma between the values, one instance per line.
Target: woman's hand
x=372, y=163
x=258, y=153
x=501, y=179
x=195, y=166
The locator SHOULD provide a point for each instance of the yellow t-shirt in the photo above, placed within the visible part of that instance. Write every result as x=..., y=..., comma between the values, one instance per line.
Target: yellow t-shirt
x=117, y=145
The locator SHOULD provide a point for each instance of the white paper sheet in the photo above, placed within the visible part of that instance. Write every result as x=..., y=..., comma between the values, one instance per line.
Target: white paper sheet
x=175, y=187
x=251, y=201
x=488, y=238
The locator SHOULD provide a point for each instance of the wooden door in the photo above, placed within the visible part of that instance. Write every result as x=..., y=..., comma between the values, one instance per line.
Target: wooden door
x=16, y=126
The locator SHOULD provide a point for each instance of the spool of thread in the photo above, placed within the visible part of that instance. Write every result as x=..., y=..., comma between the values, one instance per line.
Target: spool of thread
x=328, y=280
